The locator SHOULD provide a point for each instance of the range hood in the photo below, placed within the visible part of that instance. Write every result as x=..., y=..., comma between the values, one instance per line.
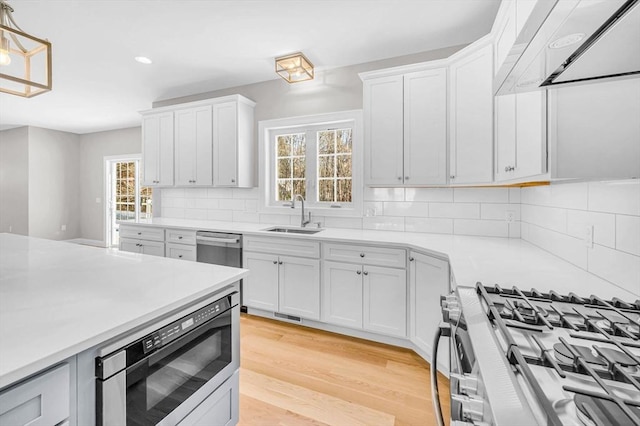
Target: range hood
x=572, y=41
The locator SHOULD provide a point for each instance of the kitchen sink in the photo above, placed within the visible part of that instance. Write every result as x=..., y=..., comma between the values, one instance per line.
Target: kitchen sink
x=295, y=230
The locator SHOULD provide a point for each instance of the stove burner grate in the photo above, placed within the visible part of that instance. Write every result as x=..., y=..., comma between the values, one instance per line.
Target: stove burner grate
x=597, y=411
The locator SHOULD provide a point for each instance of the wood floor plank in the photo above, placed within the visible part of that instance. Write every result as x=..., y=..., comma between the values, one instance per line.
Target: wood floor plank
x=294, y=375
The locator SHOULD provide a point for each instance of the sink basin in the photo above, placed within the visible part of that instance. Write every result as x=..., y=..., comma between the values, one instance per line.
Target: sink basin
x=295, y=230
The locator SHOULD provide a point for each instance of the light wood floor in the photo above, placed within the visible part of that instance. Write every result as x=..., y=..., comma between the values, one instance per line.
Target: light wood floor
x=293, y=375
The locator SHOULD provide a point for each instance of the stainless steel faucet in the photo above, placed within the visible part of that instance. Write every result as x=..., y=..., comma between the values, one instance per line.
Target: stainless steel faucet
x=303, y=222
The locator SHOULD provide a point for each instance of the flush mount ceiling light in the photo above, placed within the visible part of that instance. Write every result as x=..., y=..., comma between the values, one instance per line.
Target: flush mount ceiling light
x=25, y=60
x=294, y=68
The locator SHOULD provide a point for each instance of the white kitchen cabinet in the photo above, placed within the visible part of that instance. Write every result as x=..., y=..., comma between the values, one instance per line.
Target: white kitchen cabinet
x=471, y=115
x=153, y=248
x=43, y=400
x=180, y=251
x=157, y=149
x=284, y=284
x=521, y=141
x=428, y=280
x=193, y=146
x=149, y=233
x=233, y=144
x=221, y=408
x=342, y=294
x=261, y=286
x=384, y=300
x=299, y=287
x=405, y=127
x=506, y=32
x=370, y=255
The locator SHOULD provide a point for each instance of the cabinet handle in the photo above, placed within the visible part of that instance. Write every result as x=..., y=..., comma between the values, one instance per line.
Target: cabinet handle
x=180, y=237
x=399, y=177
x=361, y=254
x=509, y=169
x=275, y=262
x=180, y=256
x=411, y=259
x=358, y=272
x=280, y=263
x=452, y=177
x=233, y=181
x=406, y=178
x=139, y=233
x=366, y=273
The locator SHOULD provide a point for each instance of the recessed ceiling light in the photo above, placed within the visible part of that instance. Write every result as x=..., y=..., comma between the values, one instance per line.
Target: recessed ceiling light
x=567, y=40
x=143, y=60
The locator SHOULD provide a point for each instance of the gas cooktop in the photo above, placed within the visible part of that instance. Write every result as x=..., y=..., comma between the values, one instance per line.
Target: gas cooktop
x=572, y=360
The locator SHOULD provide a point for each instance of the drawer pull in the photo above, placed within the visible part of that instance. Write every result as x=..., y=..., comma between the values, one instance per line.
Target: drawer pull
x=180, y=237
x=411, y=259
x=361, y=254
x=280, y=263
x=275, y=262
x=180, y=256
x=358, y=272
x=366, y=273
x=139, y=233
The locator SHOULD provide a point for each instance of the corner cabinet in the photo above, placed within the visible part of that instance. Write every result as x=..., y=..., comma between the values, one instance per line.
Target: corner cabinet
x=405, y=115
x=207, y=143
x=471, y=115
x=157, y=149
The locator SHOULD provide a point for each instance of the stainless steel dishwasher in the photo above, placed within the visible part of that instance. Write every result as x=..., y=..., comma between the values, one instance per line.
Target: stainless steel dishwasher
x=220, y=248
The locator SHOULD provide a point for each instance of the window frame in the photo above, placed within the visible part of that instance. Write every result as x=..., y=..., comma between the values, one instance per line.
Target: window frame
x=270, y=129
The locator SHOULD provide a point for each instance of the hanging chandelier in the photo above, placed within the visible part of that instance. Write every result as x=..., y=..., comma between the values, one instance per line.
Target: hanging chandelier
x=25, y=60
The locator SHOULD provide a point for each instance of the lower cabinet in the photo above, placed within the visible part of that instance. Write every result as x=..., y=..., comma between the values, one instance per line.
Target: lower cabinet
x=154, y=248
x=39, y=401
x=372, y=298
x=429, y=280
x=221, y=408
x=284, y=284
x=180, y=251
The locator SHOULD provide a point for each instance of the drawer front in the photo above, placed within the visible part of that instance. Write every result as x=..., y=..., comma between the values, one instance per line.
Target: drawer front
x=180, y=236
x=41, y=401
x=283, y=246
x=142, y=232
x=180, y=251
x=366, y=255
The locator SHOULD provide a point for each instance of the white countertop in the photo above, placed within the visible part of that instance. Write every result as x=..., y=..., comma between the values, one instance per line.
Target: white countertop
x=490, y=260
x=58, y=299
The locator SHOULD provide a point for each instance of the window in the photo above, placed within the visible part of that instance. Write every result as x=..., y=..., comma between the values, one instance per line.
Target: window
x=314, y=158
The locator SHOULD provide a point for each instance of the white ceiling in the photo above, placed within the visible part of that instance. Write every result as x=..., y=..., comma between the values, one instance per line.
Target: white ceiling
x=200, y=46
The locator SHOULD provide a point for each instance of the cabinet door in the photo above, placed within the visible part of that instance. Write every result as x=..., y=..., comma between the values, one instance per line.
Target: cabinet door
x=157, y=149
x=299, y=289
x=425, y=127
x=429, y=279
x=506, y=36
x=383, y=130
x=261, y=286
x=193, y=139
x=471, y=118
x=225, y=143
x=505, y=142
x=385, y=300
x=130, y=245
x=152, y=248
x=180, y=251
x=342, y=294
x=531, y=135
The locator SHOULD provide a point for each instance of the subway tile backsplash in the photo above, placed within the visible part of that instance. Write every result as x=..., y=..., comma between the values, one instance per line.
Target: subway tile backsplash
x=461, y=211
x=563, y=218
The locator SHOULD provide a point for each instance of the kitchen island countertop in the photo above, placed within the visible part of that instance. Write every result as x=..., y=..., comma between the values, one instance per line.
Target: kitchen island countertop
x=58, y=299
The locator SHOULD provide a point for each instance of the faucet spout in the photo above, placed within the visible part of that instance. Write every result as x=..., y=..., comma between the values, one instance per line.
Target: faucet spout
x=303, y=222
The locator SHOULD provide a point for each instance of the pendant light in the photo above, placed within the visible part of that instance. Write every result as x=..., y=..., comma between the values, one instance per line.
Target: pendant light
x=25, y=60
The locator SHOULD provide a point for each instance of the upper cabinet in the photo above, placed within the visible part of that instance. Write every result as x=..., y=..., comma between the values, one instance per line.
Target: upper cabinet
x=193, y=146
x=208, y=143
x=471, y=115
x=157, y=149
x=405, y=115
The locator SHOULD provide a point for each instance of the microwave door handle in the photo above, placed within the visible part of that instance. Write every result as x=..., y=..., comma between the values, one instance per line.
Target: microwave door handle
x=205, y=240
x=444, y=329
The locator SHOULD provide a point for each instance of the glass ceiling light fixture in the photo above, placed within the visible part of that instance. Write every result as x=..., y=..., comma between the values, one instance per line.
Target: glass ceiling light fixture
x=25, y=60
x=294, y=68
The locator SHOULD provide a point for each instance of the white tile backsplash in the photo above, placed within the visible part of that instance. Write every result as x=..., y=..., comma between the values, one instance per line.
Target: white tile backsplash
x=428, y=224
x=455, y=210
x=429, y=194
x=405, y=208
x=556, y=218
x=489, y=228
x=383, y=223
x=481, y=195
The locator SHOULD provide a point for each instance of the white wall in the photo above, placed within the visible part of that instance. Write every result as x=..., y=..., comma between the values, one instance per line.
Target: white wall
x=14, y=181
x=556, y=217
x=54, y=199
x=93, y=148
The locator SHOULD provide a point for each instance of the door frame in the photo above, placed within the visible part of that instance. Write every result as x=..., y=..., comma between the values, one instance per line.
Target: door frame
x=107, y=190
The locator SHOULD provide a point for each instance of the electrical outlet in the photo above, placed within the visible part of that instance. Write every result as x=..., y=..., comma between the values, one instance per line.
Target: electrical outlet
x=10, y=228
x=510, y=216
x=63, y=227
x=588, y=236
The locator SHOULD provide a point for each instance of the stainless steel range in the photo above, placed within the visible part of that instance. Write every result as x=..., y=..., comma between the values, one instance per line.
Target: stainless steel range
x=530, y=358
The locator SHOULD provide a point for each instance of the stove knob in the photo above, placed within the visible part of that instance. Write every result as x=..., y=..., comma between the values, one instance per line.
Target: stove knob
x=467, y=383
x=472, y=408
x=450, y=308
